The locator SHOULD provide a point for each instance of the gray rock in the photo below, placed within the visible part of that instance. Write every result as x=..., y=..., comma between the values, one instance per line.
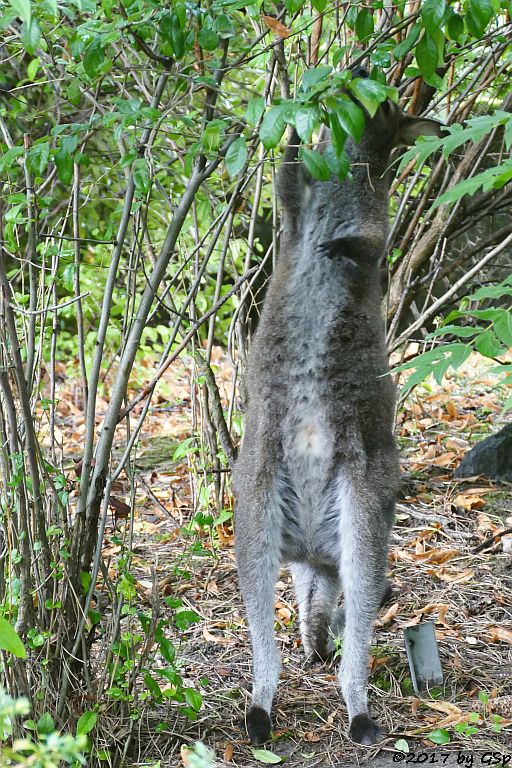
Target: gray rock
x=492, y=457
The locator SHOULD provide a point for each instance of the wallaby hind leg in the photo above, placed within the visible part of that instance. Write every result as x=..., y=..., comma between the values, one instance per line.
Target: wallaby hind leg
x=257, y=558
x=317, y=591
x=365, y=529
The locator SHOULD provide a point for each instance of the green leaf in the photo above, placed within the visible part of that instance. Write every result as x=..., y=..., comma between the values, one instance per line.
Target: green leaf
x=193, y=698
x=340, y=54
x=45, y=724
x=152, y=685
x=292, y=6
x=466, y=187
x=307, y=118
x=455, y=26
x=339, y=164
x=364, y=24
x=141, y=175
x=351, y=117
x=459, y=353
x=503, y=327
x=454, y=330
x=369, y=93
x=478, y=15
x=487, y=344
x=319, y=5
x=264, y=756
x=38, y=157
x=185, y=448
x=208, y=39
x=223, y=26
x=167, y=649
x=10, y=640
x=507, y=405
x=171, y=31
x=493, y=291
x=432, y=14
x=30, y=34
x=255, y=109
x=32, y=69
x=338, y=133
x=315, y=75
x=427, y=55
x=315, y=164
x=94, y=57
x=236, y=156
x=439, y=736
x=23, y=9
x=403, y=48
x=86, y=723
x=64, y=164
x=402, y=746
x=272, y=127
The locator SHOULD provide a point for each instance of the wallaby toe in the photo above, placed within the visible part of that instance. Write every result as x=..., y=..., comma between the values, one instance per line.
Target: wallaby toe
x=364, y=730
x=258, y=725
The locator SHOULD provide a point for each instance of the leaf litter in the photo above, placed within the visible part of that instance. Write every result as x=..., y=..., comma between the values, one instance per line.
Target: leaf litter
x=435, y=575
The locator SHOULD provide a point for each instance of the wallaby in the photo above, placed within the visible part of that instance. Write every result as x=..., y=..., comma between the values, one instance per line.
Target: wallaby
x=317, y=473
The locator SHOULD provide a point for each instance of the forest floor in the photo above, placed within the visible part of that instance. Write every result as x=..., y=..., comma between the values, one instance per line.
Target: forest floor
x=436, y=573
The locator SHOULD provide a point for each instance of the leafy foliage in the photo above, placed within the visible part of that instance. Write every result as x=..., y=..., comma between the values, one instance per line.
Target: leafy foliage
x=48, y=750
x=490, y=333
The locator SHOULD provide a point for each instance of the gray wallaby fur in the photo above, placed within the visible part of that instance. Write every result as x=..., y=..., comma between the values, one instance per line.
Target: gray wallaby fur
x=317, y=473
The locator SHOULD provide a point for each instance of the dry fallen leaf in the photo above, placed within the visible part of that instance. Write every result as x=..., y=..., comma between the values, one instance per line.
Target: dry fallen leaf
x=388, y=617
x=220, y=639
x=277, y=27
x=484, y=523
x=226, y=536
x=455, y=444
x=454, y=577
x=452, y=712
x=500, y=633
x=438, y=556
x=440, y=608
x=451, y=410
x=444, y=460
x=228, y=753
x=446, y=707
x=469, y=502
x=311, y=736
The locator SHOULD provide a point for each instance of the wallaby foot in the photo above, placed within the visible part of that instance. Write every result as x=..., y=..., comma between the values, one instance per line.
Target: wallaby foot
x=258, y=725
x=364, y=730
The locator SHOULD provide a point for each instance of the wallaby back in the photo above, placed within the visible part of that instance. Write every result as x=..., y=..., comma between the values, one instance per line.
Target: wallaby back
x=318, y=469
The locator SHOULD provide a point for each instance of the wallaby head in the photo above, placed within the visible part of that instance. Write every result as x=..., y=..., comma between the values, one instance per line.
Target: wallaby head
x=321, y=211
x=389, y=128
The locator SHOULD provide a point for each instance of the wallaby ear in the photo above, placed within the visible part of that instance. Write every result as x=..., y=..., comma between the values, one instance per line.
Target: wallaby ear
x=412, y=127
